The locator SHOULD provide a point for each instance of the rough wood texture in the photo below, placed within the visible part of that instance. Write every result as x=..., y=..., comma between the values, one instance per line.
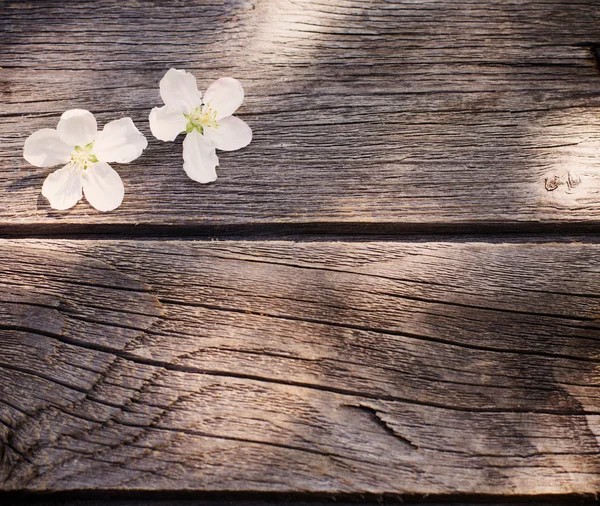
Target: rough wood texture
x=314, y=367
x=437, y=111
x=345, y=368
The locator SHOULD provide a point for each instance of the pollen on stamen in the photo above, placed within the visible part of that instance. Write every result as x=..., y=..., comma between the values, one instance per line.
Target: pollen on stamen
x=202, y=117
x=82, y=158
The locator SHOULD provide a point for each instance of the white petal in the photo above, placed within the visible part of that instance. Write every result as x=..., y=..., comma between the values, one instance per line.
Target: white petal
x=120, y=141
x=103, y=187
x=167, y=123
x=178, y=90
x=45, y=149
x=199, y=158
x=77, y=127
x=225, y=95
x=232, y=134
x=62, y=188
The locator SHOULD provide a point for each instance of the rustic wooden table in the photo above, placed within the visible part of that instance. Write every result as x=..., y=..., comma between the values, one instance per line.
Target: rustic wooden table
x=391, y=293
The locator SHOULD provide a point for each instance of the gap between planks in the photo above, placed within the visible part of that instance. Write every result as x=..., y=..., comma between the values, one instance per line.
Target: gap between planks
x=106, y=498
x=527, y=232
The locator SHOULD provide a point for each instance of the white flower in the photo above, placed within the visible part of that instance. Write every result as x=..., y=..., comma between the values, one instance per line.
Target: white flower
x=86, y=152
x=209, y=123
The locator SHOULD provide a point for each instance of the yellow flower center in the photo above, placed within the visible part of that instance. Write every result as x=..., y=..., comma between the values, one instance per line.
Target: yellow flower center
x=82, y=158
x=201, y=118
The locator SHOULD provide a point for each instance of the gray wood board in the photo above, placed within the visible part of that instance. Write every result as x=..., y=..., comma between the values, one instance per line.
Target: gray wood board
x=426, y=368
x=438, y=111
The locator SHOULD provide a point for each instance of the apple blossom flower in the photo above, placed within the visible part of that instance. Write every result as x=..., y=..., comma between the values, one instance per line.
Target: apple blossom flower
x=208, y=122
x=86, y=152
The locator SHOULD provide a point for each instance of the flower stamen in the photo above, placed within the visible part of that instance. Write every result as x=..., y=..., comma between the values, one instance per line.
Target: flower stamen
x=82, y=158
x=200, y=118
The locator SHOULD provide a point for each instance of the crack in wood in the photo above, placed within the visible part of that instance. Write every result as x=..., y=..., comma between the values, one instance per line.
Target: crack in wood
x=375, y=415
x=171, y=366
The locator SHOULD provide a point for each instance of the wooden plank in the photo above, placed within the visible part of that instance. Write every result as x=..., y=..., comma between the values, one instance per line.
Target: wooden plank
x=423, y=368
x=409, y=113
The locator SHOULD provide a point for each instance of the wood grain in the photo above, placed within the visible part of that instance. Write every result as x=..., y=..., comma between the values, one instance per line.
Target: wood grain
x=405, y=113
x=425, y=368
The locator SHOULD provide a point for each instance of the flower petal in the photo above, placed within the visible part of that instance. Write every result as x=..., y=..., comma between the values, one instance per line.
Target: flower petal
x=77, y=127
x=45, y=149
x=178, y=90
x=62, y=188
x=103, y=187
x=199, y=158
x=233, y=133
x=167, y=123
x=120, y=141
x=225, y=95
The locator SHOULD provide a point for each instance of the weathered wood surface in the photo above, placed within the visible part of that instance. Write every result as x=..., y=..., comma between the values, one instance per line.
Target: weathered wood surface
x=437, y=111
x=319, y=367
x=428, y=368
